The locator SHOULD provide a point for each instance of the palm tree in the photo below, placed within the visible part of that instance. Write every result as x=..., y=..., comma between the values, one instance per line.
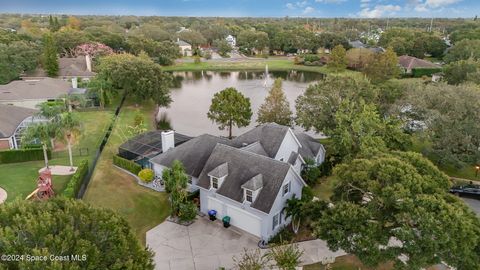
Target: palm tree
x=69, y=125
x=40, y=132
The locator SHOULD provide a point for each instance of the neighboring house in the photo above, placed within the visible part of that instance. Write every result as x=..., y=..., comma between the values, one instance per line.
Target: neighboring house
x=30, y=93
x=410, y=63
x=232, y=41
x=69, y=68
x=185, y=48
x=248, y=178
x=13, y=120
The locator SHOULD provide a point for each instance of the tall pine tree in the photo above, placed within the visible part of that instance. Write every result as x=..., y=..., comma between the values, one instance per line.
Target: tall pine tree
x=276, y=108
x=49, y=57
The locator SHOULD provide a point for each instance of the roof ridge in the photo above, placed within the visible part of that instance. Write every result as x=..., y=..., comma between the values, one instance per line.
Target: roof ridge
x=251, y=153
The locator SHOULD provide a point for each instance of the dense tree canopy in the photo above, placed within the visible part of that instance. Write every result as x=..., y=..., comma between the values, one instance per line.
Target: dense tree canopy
x=60, y=227
x=250, y=40
x=464, y=50
x=384, y=66
x=163, y=52
x=17, y=57
x=49, y=56
x=395, y=208
x=139, y=76
x=316, y=107
x=450, y=114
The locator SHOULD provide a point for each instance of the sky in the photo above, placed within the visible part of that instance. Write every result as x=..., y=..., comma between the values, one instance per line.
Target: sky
x=250, y=8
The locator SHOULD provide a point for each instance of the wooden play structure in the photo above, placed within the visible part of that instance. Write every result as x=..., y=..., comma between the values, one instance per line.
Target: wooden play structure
x=44, y=186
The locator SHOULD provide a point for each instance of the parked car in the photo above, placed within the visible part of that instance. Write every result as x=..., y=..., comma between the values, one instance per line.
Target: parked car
x=469, y=190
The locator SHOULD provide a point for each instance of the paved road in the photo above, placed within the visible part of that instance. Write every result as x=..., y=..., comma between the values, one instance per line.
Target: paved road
x=474, y=204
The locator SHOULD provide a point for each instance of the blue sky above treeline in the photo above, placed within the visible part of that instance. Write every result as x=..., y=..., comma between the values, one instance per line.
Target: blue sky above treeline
x=250, y=8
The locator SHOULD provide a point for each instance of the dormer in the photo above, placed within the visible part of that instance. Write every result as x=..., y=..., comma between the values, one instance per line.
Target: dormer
x=252, y=188
x=218, y=175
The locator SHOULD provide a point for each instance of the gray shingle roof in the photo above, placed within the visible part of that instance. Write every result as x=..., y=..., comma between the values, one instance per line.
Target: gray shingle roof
x=182, y=43
x=68, y=67
x=46, y=88
x=310, y=146
x=256, y=148
x=11, y=117
x=244, y=166
x=254, y=183
x=220, y=171
x=270, y=135
x=193, y=154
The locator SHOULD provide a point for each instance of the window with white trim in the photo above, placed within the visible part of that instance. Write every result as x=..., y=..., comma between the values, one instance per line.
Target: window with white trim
x=275, y=221
x=214, y=183
x=286, y=189
x=248, y=195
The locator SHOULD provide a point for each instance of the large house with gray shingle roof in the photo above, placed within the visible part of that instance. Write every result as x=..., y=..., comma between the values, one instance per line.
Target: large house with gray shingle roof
x=13, y=121
x=249, y=178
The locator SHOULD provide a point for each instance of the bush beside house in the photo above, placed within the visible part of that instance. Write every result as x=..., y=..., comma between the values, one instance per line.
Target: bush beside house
x=22, y=155
x=146, y=175
x=75, y=182
x=127, y=164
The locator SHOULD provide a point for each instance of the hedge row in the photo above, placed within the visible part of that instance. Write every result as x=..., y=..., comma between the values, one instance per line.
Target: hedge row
x=419, y=72
x=76, y=181
x=22, y=155
x=127, y=164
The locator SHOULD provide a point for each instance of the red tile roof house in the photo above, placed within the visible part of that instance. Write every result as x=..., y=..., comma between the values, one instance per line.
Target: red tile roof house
x=410, y=64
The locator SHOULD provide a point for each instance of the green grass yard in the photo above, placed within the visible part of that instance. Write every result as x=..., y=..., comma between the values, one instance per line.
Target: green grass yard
x=114, y=189
x=20, y=179
x=273, y=65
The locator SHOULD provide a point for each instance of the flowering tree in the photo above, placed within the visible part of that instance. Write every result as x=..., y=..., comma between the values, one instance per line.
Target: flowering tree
x=93, y=49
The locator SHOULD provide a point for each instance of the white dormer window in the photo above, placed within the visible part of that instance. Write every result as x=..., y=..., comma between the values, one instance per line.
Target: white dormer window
x=248, y=195
x=214, y=183
x=286, y=189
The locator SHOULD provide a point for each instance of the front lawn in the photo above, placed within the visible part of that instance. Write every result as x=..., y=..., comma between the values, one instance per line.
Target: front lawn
x=112, y=188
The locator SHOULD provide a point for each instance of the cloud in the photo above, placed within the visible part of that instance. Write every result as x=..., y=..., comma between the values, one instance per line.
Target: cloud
x=428, y=5
x=330, y=1
x=308, y=10
x=379, y=11
x=299, y=4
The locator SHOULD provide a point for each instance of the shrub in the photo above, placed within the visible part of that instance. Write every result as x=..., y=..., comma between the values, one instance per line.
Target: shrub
x=196, y=59
x=73, y=186
x=286, y=257
x=146, y=175
x=22, y=155
x=187, y=211
x=251, y=260
x=284, y=235
x=419, y=72
x=207, y=55
x=311, y=58
x=127, y=164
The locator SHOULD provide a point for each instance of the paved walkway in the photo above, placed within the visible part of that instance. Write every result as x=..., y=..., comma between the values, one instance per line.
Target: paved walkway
x=60, y=170
x=3, y=195
x=207, y=245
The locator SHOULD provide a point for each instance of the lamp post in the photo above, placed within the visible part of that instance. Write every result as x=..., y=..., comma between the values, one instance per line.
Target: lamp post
x=477, y=168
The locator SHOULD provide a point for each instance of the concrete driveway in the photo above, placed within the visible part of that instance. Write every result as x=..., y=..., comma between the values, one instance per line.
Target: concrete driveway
x=202, y=245
x=208, y=245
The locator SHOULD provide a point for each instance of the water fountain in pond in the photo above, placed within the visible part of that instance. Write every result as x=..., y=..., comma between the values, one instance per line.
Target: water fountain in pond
x=266, y=76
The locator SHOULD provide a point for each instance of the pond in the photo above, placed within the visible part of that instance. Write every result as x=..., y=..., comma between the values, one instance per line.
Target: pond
x=193, y=92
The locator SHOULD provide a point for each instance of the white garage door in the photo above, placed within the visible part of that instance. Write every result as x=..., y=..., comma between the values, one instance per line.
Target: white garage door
x=238, y=217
